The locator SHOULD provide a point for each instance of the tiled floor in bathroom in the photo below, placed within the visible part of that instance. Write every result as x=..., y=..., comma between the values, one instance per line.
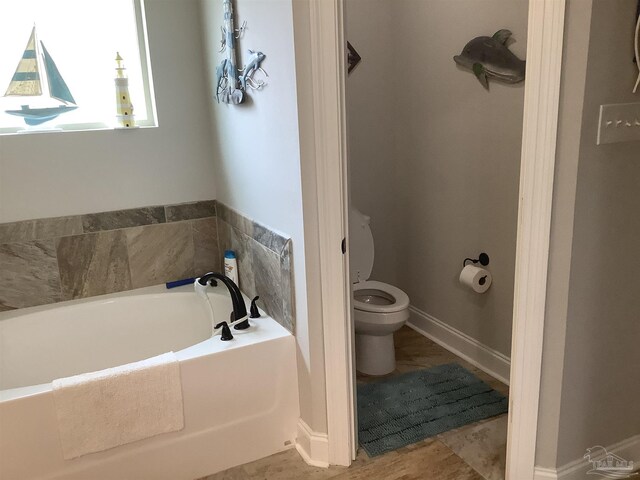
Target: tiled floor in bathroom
x=473, y=452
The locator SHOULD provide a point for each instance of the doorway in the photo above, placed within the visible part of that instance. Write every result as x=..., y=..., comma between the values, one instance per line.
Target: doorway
x=536, y=180
x=434, y=164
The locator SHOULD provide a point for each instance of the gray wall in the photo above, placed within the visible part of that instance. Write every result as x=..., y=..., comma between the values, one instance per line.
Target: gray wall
x=434, y=157
x=257, y=155
x=600, y=386
x=312, y=386
x=575, y=53
x=50, y=175
x=598, y=392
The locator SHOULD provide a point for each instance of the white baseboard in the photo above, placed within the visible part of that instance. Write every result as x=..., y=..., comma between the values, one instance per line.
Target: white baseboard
x=545, y=474
x=628, y=449
x=486, y=359
x=312, y=446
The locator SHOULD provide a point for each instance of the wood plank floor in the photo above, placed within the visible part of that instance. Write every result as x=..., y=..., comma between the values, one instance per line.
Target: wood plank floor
x=473, y=452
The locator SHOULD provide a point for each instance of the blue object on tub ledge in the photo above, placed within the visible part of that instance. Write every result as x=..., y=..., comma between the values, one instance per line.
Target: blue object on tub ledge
x=179, y=283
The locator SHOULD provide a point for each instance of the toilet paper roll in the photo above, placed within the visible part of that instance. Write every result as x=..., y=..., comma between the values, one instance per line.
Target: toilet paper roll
x=476, y=278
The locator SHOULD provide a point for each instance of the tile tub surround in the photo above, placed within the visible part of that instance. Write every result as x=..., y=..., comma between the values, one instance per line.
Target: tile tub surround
x=53, y=259
x=264, y=263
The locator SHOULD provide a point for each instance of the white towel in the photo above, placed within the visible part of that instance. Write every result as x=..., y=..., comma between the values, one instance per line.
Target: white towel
x=104, y=409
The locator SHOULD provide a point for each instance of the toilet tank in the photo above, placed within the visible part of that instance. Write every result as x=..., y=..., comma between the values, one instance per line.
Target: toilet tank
x=361, y=247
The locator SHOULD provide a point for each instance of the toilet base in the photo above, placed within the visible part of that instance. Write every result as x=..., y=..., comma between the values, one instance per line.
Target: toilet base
x=375, y=354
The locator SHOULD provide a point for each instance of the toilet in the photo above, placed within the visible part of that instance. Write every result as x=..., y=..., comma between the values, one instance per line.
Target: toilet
x=379, y=308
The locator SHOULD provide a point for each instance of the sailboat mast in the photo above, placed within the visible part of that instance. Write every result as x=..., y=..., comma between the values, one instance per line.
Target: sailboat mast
x=26, y=79
x=40, y=59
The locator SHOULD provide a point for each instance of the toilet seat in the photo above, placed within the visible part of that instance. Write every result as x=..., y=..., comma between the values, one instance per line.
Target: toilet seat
x=379, y=308
x=399, y=300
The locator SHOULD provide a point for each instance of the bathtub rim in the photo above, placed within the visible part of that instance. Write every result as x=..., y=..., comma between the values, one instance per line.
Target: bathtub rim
x=220, y=290
x=265, y=329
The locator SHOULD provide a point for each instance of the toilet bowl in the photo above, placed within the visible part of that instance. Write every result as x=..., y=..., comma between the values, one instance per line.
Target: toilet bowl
x=379, y=308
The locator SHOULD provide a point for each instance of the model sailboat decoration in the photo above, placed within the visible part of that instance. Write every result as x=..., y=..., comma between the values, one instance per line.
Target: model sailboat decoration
x=38, y=76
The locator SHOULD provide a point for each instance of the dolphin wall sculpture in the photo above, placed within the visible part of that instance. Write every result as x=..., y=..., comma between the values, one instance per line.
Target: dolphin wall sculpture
x=489, y=57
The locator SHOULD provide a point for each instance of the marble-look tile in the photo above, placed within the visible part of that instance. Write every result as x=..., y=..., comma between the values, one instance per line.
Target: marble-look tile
x=264, y=270
x=268, y=281
x=494, y=383
x=236, y=473
x=93, y=264
x=235, y=219
x=482, y=445
x=270, y=239
x=134, y=217
x=230, y=238
x=41, y=229
x=243, y=245
x=160, y=253
x=206, y=256
x=287, y=465
x=415, y=351
x=288, y=289
x=260, y=233
x=425, y=460
x=224, y=240
x=190, y=211
x=28, y=274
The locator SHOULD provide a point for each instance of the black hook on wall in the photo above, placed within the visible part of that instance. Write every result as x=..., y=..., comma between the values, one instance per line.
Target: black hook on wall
x=483, y=260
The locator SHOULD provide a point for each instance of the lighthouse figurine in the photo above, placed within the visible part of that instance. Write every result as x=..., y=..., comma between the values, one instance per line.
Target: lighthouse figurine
x=124, y=115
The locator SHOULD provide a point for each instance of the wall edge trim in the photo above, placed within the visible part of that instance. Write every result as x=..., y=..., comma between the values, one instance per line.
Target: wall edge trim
x=466, y=347
x=312, y=446
x=629, y=448
x=545, y=41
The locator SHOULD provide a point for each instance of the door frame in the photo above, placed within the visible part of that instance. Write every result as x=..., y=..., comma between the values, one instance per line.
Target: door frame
x=542, y=99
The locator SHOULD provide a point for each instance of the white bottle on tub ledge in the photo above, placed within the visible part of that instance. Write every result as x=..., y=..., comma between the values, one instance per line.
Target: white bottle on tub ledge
x=231, y=265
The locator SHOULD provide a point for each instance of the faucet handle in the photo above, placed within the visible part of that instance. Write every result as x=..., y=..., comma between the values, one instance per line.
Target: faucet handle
x=226, y=334
x=253, y=310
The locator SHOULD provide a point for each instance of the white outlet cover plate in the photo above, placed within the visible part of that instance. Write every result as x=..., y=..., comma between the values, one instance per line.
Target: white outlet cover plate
x=619, y=123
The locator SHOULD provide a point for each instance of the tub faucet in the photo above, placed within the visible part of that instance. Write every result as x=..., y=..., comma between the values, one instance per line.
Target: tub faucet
x=239, y=314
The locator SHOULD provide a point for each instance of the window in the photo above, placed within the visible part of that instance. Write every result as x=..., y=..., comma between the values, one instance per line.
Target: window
x=58, y=61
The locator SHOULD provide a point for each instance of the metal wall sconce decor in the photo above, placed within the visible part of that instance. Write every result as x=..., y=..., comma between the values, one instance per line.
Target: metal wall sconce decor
x=232, y=83
x=636, y=47
x=353, y=58
x=489, y=57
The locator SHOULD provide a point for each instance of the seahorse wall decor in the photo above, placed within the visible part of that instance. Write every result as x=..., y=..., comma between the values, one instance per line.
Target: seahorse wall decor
x=232, y=83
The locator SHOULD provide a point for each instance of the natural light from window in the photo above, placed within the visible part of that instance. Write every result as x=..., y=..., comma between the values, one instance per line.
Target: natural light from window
x=80, y=38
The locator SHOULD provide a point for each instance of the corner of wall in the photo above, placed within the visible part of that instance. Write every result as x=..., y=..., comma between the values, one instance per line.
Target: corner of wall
x=574, y=71
x=313, y=405
x=312, y=446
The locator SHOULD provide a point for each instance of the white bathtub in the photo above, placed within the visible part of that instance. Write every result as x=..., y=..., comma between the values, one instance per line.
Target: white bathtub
x=240, y=396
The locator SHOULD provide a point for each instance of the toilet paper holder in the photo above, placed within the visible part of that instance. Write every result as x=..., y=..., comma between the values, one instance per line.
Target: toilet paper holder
x=483, y=260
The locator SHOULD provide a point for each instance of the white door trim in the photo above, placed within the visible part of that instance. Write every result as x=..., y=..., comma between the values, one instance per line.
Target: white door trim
x=544, y=60
x=328, y=65
x=541, y=106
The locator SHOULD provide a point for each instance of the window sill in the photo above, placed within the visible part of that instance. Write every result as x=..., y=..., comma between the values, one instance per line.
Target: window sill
x=73, y=129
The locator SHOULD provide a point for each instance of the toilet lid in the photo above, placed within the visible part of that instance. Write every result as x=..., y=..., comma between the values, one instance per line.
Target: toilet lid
x=361, y=252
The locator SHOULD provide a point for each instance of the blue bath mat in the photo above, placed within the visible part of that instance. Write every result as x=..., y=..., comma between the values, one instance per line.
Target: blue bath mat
x=408, y=408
